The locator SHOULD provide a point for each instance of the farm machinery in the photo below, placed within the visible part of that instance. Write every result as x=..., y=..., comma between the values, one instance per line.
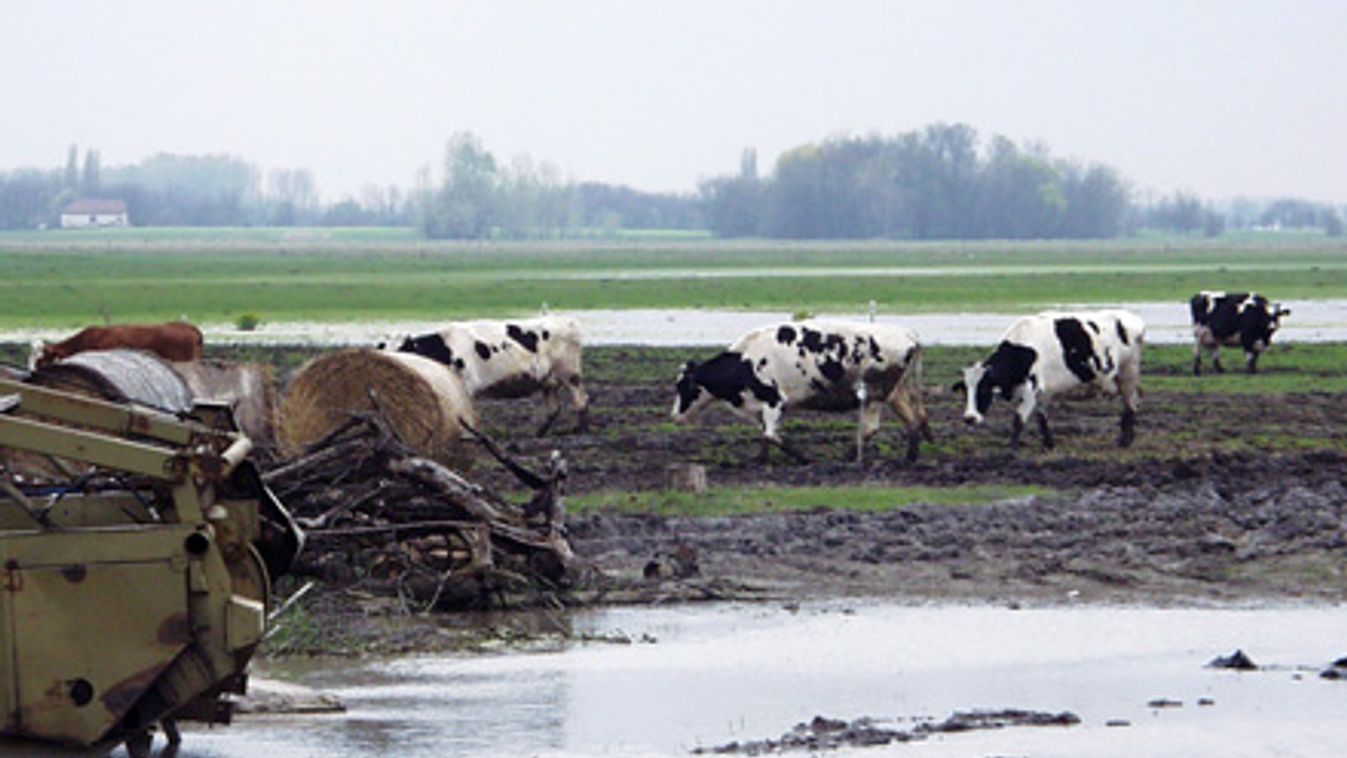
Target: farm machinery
x=135, y=584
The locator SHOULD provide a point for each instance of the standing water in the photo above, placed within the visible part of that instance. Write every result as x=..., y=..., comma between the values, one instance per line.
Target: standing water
x=705, y=676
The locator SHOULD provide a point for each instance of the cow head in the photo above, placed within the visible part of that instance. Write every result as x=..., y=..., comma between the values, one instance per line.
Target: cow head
x=690, y=397
x=1271, y=317
x=1276, y=312
x=976, y=386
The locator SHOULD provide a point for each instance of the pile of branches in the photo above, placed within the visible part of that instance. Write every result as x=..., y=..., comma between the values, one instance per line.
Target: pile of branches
x=378, y=514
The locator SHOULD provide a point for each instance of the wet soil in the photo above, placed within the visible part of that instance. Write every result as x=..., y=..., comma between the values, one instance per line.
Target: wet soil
x=1221, y=497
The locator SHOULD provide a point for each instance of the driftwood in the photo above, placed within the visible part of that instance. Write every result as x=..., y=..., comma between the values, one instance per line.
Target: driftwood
x=380, y=514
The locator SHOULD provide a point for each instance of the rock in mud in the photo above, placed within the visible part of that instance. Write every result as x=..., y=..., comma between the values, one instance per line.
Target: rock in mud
x=272, y=696
x=1237, y=661
x=823, y=733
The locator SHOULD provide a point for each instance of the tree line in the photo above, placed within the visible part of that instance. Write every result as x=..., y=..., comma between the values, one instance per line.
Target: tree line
x=939, y=182
x=479, y=197
x=188, y=190
x=928, y=184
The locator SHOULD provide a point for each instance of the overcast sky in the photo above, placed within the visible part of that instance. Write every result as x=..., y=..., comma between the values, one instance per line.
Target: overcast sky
x=1222, y=98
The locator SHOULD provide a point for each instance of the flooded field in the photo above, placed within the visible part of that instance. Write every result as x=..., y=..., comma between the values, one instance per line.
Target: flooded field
x=707, y=676
x=1166, y=323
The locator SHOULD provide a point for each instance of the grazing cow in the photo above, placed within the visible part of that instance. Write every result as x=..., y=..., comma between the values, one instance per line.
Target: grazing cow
x=1245, y=319
x=508, y=359
x=819, y=365
x=1044, y=355
x=173, y=341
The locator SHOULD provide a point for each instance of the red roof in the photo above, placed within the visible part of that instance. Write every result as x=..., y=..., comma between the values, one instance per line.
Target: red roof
x=91, y=206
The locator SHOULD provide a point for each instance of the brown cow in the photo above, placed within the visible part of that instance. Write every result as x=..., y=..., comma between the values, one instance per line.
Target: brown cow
x=174, y=341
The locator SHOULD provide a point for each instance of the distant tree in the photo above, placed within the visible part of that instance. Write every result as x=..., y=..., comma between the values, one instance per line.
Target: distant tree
x=1096, y=202
x=1181, y=212
x=946, y=180
x=1291, y=213
x=347, y=212
x=30, y=199
x=72, y=169
x=464, y=208
x=1019, y=194
x=932, y=183
x=748, y=164
x=293, y=195
x=90, y=180
x=1331, y=222
x=1213, y=223
x=189, y=190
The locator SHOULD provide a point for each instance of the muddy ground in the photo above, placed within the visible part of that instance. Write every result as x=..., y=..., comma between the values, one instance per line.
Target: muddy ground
x=1223, y=497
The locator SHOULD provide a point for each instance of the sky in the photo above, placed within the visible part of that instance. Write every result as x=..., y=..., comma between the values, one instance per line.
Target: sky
x=1220, y=98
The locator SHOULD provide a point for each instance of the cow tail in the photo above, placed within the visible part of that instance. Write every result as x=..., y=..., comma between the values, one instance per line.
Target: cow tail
x=911, y=379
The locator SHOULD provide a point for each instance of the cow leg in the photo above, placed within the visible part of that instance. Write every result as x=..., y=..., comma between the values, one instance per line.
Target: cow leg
x=765, y=445
x=1016, y=429
x=771, y=421
x=861, y=395
x=1129, y=388
x=1128, y=431
x=1043, y=430
x=908, y=405
x=868, y=424
x=1027, y=400
x=1216, y=360
x=913, y=447
x=1197, y=359
x=580, y=401
x=791, y=451
x=553, y=405
x=1251, y=360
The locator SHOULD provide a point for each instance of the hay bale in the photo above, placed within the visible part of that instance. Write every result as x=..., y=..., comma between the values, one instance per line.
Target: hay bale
x=421, y=400
x=245, y=386
x=119, y=376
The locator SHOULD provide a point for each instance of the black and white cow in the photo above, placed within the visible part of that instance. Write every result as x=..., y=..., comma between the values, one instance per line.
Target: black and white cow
x=509, y=359
x=1050, y=353
x=813, y=364
x=1246, y=319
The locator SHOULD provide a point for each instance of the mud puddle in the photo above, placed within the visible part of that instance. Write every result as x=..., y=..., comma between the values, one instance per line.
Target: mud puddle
x=687, y=678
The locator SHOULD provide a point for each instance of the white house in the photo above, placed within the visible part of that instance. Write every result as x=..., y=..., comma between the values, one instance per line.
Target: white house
x=92, y=212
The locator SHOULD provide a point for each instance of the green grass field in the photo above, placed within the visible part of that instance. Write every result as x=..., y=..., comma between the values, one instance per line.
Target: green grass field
x=65, y=279
x=735, y=500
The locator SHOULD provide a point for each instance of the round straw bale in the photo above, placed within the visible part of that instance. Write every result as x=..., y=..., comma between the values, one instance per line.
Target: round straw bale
x=121, y=376
x=421, y=400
